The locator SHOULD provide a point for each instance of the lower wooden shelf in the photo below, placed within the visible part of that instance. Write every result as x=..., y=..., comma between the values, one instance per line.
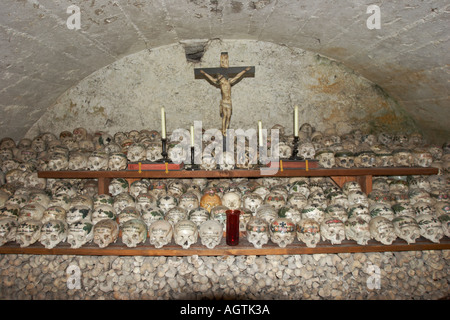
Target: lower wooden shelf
x=244, y=248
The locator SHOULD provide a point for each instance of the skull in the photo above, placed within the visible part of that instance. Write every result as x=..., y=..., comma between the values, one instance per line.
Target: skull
x=160, y=233
x=318, y=197
x=369, y=139
x=326, y=158
x=208, y=163
x=167, y=202
x=381, y=210
x=219, y=213
x=145, y=200
x=98, y=160
x=422, y=158
x=128, y=213
x=200, y=215
x=382, y=230
x=275, y=199
x=52, y=233
x=257, y=232
x=58, y=162
x=381, y=185
x=297, y=200
x=344, y=159
x=266, y=212
x=54, y=213
x=300, y=187
x=136, y=152
x=106, y=232
x=176, y=214
x=117, y=161
x=332, y=229
x=385, y=138
x=290, y=212
x=285, y=151
x=111, y=148
x=103, y=212
x=210, y=200
x=176, y=188
x=313, y=211
x=357, y=210
x=177, y=153
x=185, y=233
x=100, y=199
x=210, y=233
x=9, y=164
x=134, y=231
x=227, y=161
x=442, y=207
x=422, y=207
x=403, y=158
x=31, y=211
x=365, y=159
x=137, y=187
x=118, y=186
x=80, y=233
x=252, y=202
x=430, y=227
x=8, y=229
x=78, y=160
x=308, y=232
x=151, y=213
x=406, y=228
x=358, y=198
x=79, y=134
x=282, y=231
x=384, y=159
x=153, y=152
x=119, y=137
x=306, y=150
x=337, y=211
x=357, y=229
x=123, y=200
x=28, y=232
x=244, y=217
x=338, y=197
x=38, y=144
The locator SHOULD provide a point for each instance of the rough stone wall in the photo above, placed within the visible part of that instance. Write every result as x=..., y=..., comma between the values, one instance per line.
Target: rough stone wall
x=408, y=275
x=129, y=93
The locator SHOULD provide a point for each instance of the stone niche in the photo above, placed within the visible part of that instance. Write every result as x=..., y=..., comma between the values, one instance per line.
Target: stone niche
x=128, y=94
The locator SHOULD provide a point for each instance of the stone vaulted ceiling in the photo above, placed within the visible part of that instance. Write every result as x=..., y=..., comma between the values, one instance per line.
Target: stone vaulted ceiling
x=40, y=57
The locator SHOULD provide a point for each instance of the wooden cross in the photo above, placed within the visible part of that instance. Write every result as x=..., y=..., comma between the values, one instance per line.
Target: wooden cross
x=224, y=77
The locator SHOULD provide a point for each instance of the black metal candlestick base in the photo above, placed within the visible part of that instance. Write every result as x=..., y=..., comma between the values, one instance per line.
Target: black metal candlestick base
x=164, y=151
x=194, y=166
x=294, y=155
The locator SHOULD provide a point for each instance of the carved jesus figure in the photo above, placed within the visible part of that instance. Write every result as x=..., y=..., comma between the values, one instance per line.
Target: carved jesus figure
x=225, y=88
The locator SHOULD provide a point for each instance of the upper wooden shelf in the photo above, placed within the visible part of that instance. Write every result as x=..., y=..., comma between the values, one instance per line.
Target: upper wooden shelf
x=239, y=173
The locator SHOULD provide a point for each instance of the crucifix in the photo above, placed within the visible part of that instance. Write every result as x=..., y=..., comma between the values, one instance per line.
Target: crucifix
x=224, y=77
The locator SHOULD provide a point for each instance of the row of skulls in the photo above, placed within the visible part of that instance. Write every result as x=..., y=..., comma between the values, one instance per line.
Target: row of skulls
x=277, y=209
x=80, y=150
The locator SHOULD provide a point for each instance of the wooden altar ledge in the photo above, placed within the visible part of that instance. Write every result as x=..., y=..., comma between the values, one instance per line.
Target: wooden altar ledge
x=339, y=175
x=244, y=248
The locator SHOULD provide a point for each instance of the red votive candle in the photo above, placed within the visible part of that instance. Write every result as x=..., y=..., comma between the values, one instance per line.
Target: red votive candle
x=232, y=230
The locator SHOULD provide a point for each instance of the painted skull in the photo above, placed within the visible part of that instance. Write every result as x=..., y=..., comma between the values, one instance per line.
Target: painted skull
x=185, y=233
x=282, y=231
x=358, y=198
x=106, y=232
x=160, y=233
x=151, y=214
x=80, y=233
x=266, y=212
x=28, y=232
x=134, y=231
x=403, y=158
x=344, y=159
x=176, y=214
x=382, y=230
x=117, y=161
x=136, y=152
x=153, y=152
x=145, y=200
x=58, y=162
x=52, y=233
x=308, y=232
x=128, y=213
x=200, y=215
x=8, y=229
x=257, y=232
x=359, y=211
x=290, y=212
x=430, y=227
x=306, y=150
x=406, y=228
x=357, y=229
x=208, y=162
x=123, y=200
x=252, y=202
x=189, y=200
x=445, y=222
x=332, y=229
x=210, y=233
x=365, y=159
x=31, y=211
x=337, y=211
x=118, y=186
x=297, y=200
x=422, y=158
x=381, y=210
x=54, y=213
x=137, y=187
x=227, y=161
x=326, y=158
x=103, y=212
x=98, y=160
x=313, y=211
x=167, y=202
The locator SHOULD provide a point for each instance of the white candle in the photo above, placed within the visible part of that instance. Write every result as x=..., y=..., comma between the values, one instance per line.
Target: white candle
x=163, y=123
x=296, y=121
x=260, y=133
x=192, y=136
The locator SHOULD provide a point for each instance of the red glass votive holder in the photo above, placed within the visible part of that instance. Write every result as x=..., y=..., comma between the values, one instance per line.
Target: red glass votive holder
x=232, y=228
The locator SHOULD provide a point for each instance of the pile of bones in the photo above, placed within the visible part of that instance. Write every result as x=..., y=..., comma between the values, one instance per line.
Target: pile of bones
x=187, y=211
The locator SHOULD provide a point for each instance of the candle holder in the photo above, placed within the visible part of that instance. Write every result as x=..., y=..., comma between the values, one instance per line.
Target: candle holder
x=164, y=150
x=194, y=166
x=232, y=227
x=294, y=155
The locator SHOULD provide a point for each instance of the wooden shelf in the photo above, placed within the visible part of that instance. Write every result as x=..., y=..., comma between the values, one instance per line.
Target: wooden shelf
x=339, y=175
x=244, y=248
